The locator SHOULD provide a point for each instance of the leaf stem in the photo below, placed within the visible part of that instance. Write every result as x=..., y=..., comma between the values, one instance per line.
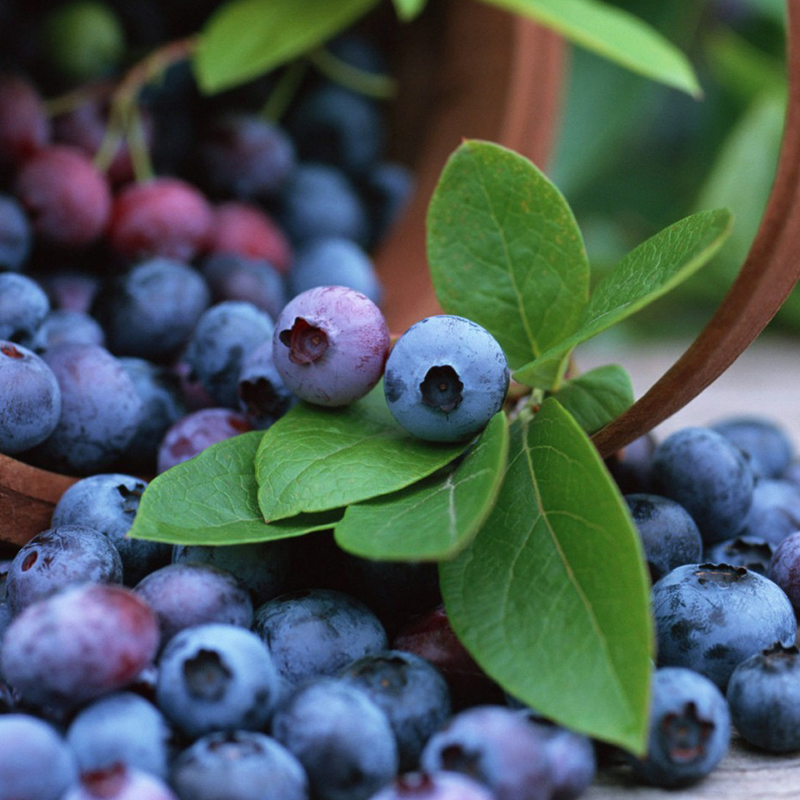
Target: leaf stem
x=284, y=92
x=371, y=84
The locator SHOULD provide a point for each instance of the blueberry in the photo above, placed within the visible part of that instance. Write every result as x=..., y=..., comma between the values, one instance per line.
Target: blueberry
x=765, y=443
x=245, y=156
x=337, y=126
x=15, y=234
x=30, y=399
x=99, y=410
x=70, y=327
x=764, y=699
x=387, y=187
x=334, y=261
x=59, y=557
x=317, y=632
x=35, y=762
x=263, y=396
x=121, y=728
x=159, y=389
x=709, y=476
x=743, y=551
x=235, y=277
x=216, y=677
x=118, y=782
x=264, y=568
x=631, y=466
x=710, y=617
x=23, y=307
x=446, y=377
x=78, y=644
x=669, y=535
x=434, y=786
x=108, y=503
x=238, y=766
x=775, y=511
x=689, y=729
x=410, y=691
x=342, y=739
x=225, y=336
x=784, y=568
x=185, y=595
x=70, y=290
x=496, y=746
x=330, y=345
x=318, y=201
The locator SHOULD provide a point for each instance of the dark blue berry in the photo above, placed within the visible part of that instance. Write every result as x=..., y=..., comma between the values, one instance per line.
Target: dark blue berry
x=446, y=377
x=67, y=327
x=784, y=568
x=387, y=187
x=15, y=234
x=263, y=396
x=317, y=632
x=23, y=307
x=764, y=442
x=743, y=551
x=689, y=729
x=775, y=511
x=342, y=739
x=710, y=617
x=235, y=277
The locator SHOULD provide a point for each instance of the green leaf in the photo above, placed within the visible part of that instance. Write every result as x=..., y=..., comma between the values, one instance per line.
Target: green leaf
x=212, y=500
x=435, y=518
x=552, y=596
x=615, y=34
x=408, y=9
x=597, y=397
x=246, y=38
x=505, y=250
x=316, y=459
x=647, y=272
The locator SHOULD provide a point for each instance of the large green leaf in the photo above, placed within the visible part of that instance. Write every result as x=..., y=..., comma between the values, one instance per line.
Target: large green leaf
x=408, y=9
x=505, y=250
x=316, y=459
x=552, y=597
x=212, y=499
x=245, y=38
x=614, y=34
x=597, y=397
x=647, y=272
x=437, y=517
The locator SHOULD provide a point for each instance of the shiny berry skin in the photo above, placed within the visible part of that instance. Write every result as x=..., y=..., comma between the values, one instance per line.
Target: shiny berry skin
x=58, y=557
x=689, y=729
x=24, y=125
x=193, y=433
x=78, y=644
x=709, y=476
x=330, y=345
x=245, y=230
x=161, y=217
x=35, y=762
x=30, y=399
x=446, y=377
x=15, y=234
x=709, y=617
x=764, y=699
x=65, y=195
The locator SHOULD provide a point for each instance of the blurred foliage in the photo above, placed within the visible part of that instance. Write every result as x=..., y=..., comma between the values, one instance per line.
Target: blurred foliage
x=632, y=156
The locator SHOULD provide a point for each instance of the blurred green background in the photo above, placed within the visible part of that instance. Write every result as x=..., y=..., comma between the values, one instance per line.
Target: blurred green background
x=633, y=157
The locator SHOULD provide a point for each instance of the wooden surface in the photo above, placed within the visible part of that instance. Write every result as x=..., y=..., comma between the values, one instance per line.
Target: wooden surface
x=745, y=774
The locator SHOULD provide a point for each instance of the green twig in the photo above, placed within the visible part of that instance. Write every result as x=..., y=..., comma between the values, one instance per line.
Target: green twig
x=284, y=92
x=371, y=84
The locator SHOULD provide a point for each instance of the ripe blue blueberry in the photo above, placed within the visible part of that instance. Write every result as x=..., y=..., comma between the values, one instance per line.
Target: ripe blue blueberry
x=496, y=746
x=63, y=325
x=689, y=729
x=317, y=632
x=764, y=699
x=446, y=377
x=669, y=535
x=330, y=345
x=410, y=691
x=765, y=443
x=15, y=234
x=342, y=739
x=35, y=762
x=224, y=337
x=709, y=476
x=743, y=551
x=775, y=511
x=334, y=261
x=238, y=766
x=263, y=396
x=121, y=728
x=23, y=307
x=108, y=503
x=216, y=677
x=235, y=277
x=30, y=399
x=710, y=617
x=387, y=187
x=784, y=568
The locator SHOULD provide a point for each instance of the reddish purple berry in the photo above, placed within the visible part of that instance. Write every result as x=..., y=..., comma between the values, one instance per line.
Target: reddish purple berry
x=24, y=126
x=118, y=782
x=330, y=345
x=247, y=231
